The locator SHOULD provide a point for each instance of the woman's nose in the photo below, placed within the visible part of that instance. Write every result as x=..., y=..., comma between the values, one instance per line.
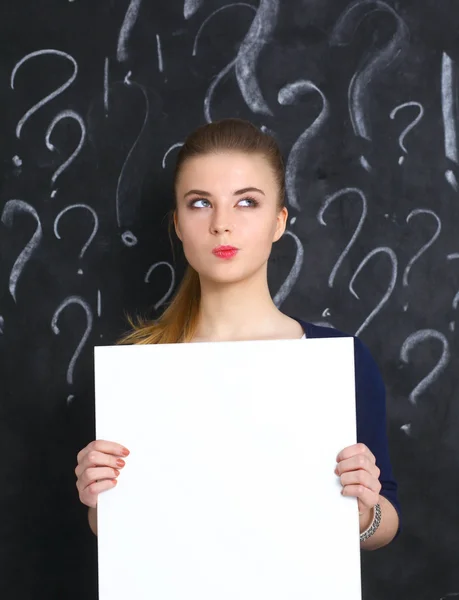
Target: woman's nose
x=220, y=222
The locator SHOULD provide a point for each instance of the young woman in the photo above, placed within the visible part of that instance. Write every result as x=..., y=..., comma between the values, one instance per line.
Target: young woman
x=229, y=210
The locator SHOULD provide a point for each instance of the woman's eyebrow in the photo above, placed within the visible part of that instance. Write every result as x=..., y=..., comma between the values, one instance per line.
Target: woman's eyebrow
x=236, y=193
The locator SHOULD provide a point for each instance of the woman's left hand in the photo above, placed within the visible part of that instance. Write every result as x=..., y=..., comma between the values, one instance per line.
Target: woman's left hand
x=359, y=476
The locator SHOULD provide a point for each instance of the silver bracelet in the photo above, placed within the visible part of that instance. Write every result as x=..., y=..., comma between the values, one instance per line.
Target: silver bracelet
x=374, y=524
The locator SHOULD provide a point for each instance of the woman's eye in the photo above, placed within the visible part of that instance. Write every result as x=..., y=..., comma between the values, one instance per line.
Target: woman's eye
x=194, y=202
x=251, y=201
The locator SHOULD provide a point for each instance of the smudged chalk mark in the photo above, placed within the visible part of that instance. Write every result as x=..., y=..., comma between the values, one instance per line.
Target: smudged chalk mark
x=126, y=29
x=10, y=208
x=289, y=95
x=190, y=7
x=259, y=34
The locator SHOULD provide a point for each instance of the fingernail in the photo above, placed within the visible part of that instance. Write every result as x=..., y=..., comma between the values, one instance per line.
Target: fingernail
x=114, y=481
x=125, y=452
x=120, y=463
x=116, y=472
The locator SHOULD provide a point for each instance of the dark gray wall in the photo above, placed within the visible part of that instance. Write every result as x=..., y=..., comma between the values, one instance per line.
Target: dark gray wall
x=95, y=97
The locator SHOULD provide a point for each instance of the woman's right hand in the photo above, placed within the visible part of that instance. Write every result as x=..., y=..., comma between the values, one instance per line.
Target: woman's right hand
x=98, y=467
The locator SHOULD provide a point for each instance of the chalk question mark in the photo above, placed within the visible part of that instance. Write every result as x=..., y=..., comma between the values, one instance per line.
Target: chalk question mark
x=162, y=300
x=216, y=80
x=411, y=126
x=413, y=213
x=292, y=277
x=390, y=288
x=419, y=337
x=10, y=208
x=360, y=84
x=89, y=321
x=93, y=233
x=66, y=114
x=289, y=95
x=320, y=217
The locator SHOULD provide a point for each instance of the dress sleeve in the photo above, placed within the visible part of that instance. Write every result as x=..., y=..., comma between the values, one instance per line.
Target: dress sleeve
x=371, y=419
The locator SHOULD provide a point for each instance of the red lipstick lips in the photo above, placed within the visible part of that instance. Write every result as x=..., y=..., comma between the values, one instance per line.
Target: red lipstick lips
x=225, y=251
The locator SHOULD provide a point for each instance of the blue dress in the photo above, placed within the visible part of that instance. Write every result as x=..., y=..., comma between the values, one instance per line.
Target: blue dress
x=370, y=408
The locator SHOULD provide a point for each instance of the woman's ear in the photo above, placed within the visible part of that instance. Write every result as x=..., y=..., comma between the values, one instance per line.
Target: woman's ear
x=281, y=223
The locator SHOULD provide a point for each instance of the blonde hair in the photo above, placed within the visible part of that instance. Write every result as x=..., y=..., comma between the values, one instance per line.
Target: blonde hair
x=179, y=320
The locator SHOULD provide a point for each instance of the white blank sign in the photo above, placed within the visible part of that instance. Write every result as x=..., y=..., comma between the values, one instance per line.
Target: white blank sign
x=229, y=492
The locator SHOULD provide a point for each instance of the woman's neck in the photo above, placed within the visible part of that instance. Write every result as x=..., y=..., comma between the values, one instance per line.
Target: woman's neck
x=238, y=311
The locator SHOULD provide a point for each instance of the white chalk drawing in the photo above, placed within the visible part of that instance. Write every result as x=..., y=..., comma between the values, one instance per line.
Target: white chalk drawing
x=413, y=213
x=289, y=95
x=329, y=200
x=216, y=81
x=160, y=54
x=130, y=20
x=166, y=296
x=390, y=288
x=419, y=337
x=410, y=127
x=23, y=120
x=289, y=283
x=122, y=188
x=168, y=151
x=190, y=7
x=94, y=231
x=449, y=109
x=258, y=36
x=89, y=320
x=9, y=210
x=361, y=82
x=106, y=84
x=65, y=114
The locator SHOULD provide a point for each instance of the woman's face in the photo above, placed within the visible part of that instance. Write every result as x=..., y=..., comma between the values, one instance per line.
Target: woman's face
x=228, y=199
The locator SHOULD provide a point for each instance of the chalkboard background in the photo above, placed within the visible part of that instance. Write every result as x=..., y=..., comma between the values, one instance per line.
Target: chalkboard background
x=96, y=97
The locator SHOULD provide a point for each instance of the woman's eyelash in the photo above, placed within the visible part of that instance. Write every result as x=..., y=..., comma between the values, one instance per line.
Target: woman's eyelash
x=252, y=200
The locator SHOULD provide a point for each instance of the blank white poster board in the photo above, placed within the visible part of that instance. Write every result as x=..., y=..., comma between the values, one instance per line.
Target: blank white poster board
x=229, y=492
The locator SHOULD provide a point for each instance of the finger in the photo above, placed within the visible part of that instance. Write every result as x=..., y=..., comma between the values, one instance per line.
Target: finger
x=90, y=495
x=358, y=462
x=97, y=474
x=355, y=450
x=367, y=497
x=99, y=459
x=361, y=478
x=103, y=446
